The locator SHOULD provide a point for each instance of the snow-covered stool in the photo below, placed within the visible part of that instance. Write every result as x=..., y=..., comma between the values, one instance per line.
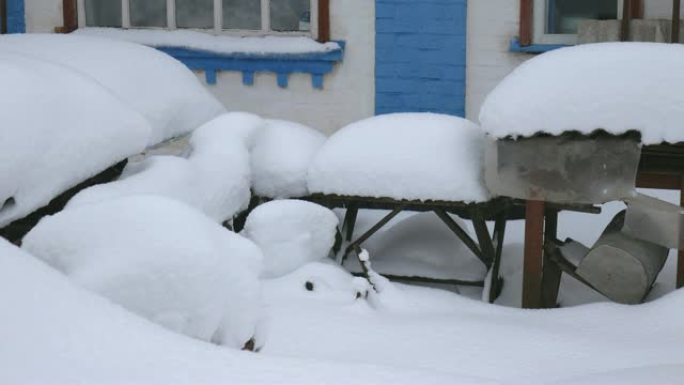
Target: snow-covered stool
x=418, y=162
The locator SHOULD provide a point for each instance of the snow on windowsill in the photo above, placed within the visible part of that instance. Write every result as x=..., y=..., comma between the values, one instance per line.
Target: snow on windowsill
x=220, y=44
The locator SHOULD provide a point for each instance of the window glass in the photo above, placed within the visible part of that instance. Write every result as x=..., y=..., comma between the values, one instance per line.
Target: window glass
x=290, y=15
x=103, y=13
x=565, y=15
x=148, y=13
x=242, y=14
x=195, y=14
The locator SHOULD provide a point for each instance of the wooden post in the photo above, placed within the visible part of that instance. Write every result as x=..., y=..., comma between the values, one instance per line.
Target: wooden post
x=676, y=6
x=533, y=263
x=626, y=19
x=3, y=16
x=526, y=18
x=323, y=21
x=680, y=260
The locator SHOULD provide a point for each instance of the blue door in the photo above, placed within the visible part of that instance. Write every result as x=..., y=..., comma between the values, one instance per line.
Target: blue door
x=420, y=56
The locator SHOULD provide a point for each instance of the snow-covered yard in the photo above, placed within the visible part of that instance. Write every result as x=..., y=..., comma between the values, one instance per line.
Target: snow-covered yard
x=140, y=280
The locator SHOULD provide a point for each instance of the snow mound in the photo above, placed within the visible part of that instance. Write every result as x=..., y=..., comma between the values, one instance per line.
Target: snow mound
x=414, y=156
x=291, y=233
x=215, y=178
x=59, y=128
x=162, y=89
x=615, y=87
x=322, y=281
x=160, y=259
x=57, y=333
x=252, y=45
x=281, y=157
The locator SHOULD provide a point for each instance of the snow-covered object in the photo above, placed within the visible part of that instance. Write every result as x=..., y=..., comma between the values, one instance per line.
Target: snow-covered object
x=162, y=89
x=54, y=332
x=615, y=87
x=291, y=233
x=262, y=45
x=281, y=157
x=215, y=178
x=417, y=156
x=160, y=259
x=58, y=128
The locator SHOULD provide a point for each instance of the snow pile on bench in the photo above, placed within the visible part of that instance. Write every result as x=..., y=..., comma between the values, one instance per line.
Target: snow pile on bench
x=221, y=44
x=54, y=332
x=58, y=128
x=281, y=156
x=291, y=233
x=413, y=156
x=162, y=89
x=615, y=87
x=160, y=259
x=215, y=178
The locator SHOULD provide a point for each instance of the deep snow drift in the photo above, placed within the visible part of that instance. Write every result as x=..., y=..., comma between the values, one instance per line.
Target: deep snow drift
x=161, y=259
x=417, y=156
x=159, y=87
x=57, y=333
x=616, y=87
x=281, y=156
x=291, y=233
x=50, y=140
x=215, y=178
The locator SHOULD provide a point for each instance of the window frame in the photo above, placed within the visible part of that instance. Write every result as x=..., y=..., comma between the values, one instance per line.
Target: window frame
x=319, y=27
x=533, y=17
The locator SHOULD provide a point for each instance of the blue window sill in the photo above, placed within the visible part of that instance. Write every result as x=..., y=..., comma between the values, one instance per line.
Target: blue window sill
x=532, y=48
x=316, y=64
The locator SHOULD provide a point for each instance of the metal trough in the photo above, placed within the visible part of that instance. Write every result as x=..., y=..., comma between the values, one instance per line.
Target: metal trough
x=621, y=267
x=570, y=168
x=656, y=221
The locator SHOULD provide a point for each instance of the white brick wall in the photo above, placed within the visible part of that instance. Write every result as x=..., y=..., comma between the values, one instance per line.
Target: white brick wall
x=491, y=25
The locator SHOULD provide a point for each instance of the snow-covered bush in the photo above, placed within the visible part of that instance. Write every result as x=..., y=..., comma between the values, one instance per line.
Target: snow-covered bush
x=160, y=88
x=58, y=128
x=161, y=259
x=419, y=156
x=215, y=178
x=281, y=157
x=291, y=233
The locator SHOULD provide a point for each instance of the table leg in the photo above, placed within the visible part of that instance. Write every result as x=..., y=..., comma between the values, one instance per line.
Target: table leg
x=533, y=263
x=680, y=260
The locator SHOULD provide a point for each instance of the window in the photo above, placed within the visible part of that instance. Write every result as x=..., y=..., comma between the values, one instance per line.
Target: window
x=242, y=16
x=556, y=21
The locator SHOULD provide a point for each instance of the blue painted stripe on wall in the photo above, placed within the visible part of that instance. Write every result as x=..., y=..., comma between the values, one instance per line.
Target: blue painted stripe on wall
x=420, y=56
x=16, y=22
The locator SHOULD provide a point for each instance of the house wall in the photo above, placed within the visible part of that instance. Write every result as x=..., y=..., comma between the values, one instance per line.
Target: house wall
x=348, y=94
x=491, y=25
x=43, y=15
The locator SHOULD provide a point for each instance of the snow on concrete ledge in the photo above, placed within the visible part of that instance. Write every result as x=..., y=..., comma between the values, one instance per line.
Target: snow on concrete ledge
x=413, y=156
x=615, y=87
x=222, y=44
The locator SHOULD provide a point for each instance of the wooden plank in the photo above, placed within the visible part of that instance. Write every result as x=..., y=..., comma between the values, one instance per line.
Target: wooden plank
x=70, y=15
x=680, y=259
x=323, y=20
x=626, y=19
x=3, y=16
x=666, y=181
x=533, y=262
x=526, y=21
x=637, y=9
x=676, y=6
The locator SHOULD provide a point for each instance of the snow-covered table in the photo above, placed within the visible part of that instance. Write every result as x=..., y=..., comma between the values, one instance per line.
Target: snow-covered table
x=613, y=87
x=412, y=162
